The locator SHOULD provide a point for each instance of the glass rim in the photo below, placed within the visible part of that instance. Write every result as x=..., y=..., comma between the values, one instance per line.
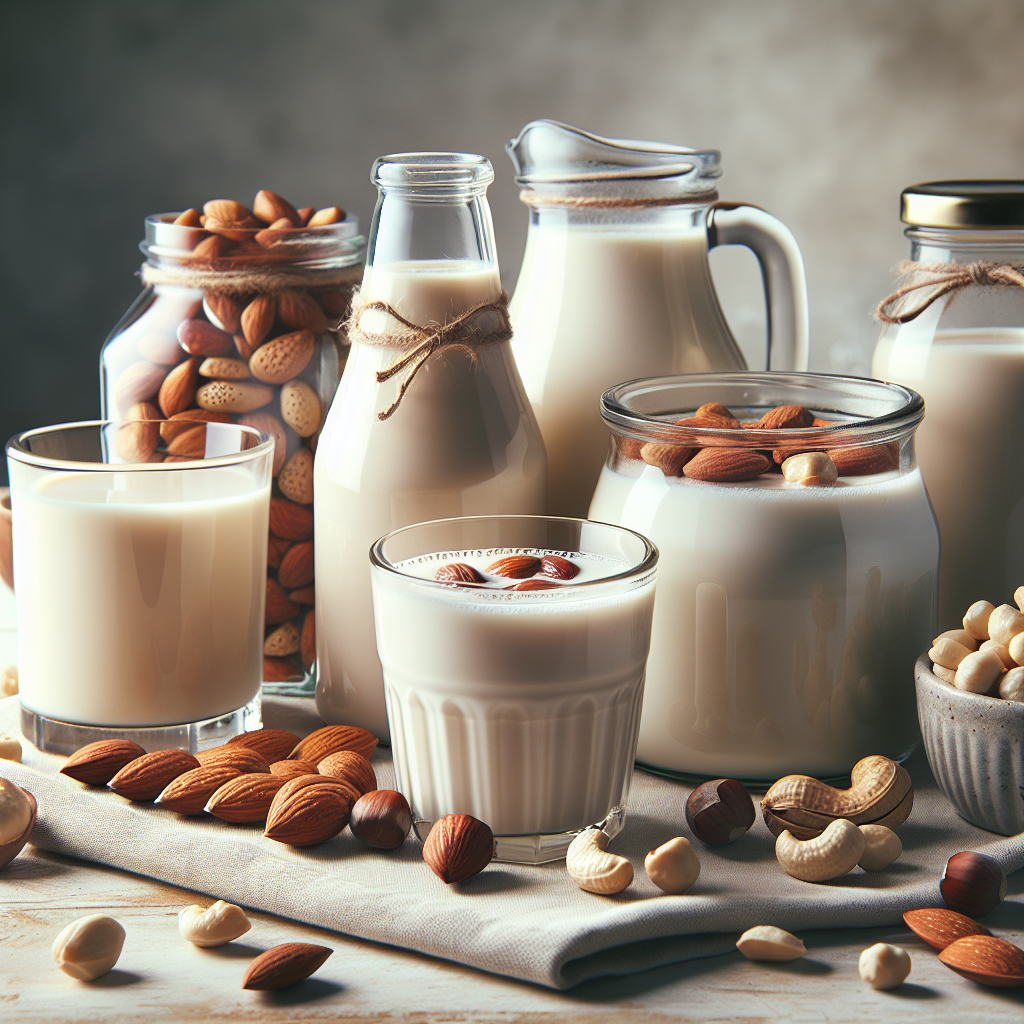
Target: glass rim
x=468, y=173
x=842, y=434
x=16, y=450
x=647, y=565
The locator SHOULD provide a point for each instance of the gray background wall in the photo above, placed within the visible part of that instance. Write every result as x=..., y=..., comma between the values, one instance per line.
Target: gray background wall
x=823, y=111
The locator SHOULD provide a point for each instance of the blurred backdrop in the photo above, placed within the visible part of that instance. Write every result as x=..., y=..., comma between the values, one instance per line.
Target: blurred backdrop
x=823, y=112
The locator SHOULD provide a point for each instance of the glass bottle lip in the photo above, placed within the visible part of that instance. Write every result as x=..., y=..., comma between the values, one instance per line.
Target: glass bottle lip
x=432, y=175
x=646, y=409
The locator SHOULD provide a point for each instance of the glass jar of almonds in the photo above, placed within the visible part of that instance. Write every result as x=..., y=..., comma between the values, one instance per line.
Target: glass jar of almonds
x=240, y=321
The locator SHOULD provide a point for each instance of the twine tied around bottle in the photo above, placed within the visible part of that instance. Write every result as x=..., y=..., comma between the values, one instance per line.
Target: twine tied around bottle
x=944, y=279
x=484, y=324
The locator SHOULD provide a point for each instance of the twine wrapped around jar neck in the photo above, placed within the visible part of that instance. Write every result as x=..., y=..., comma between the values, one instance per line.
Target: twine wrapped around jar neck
x=612, y=202
x=944, y=279
x=484, y=324
x=246, y=280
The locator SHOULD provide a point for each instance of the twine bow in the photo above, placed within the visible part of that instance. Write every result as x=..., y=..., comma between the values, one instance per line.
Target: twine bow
x=484, y=324
x=944, y=278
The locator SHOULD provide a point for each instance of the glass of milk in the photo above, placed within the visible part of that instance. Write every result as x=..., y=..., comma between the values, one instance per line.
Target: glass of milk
x=515, y=699
x=141, y=585
x=789, y=617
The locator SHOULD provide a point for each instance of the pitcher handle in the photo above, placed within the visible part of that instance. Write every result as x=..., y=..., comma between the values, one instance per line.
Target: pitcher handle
x=782, y=270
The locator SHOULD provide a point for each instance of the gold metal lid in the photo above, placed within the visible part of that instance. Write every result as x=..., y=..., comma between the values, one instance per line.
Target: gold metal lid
x=964, y=204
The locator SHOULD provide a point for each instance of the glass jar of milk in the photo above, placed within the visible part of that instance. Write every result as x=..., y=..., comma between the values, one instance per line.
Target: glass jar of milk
x=788, y=617
x=430, y=420
x=964, y=352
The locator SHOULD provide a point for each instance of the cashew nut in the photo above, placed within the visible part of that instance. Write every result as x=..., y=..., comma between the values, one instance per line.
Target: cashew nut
x=883, y=966
x=1011, y=686
x=15, y=812
x=882, y=847
x=961, y=636
x=1016, y=648
x=811, y=469
x=215, y=926
x=978, y=672
x=1001, y=650
x=592, y=868
x=947, y=675
x=89, y=947
x=10, y=748
x=673, y=867
x=976, y=619
x=766, y=942
x=948, y=653
x=1018, y=596
x=835, y=852
x=1005, y=623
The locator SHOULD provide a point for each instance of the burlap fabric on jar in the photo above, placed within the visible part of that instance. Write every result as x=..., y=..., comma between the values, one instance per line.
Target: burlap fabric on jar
x=241, y=323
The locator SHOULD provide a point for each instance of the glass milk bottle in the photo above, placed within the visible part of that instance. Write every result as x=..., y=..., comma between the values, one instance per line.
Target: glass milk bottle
x=430, y=420
x=615, y=283
x=954, y=332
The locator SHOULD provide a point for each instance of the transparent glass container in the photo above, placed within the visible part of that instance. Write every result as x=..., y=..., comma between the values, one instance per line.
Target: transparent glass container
x=462, y=440
x=242, y=326
x=788, y=617
x=615, y=283
x=141, y=584
x=519, y=707
x=965, y=355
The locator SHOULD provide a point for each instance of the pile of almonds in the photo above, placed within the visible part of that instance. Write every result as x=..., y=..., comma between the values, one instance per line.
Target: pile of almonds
x=731, y=464
x=269, y=359
x=533, y=572
x=987, y=655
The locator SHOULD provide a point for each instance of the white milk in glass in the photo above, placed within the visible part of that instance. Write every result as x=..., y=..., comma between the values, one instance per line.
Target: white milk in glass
x=140, y=594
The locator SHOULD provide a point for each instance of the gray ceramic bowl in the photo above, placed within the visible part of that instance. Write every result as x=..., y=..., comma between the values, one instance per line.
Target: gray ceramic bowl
x=975, y=746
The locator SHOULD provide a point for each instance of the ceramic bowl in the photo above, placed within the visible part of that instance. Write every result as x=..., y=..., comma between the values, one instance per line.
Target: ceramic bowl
x=8, y=851
x=975, y=747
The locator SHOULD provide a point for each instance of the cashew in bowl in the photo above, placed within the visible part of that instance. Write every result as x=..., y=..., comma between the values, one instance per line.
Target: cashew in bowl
x=948, y=653
x=768, y=943
x=961, y=636
x=832, y=854
x=215, y=926
x=978, y=672
x=1011, y=686
x=1005, y=623
x=592, y=868
x=882, y=847
x=673, y=867
x=1002, y=650
x=947, y=675
x=976, y=619
x=1016, y=649
x=883, y=966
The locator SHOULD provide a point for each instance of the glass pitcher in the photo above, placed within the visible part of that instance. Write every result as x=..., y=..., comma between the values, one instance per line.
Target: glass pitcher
x=615, y=283
x=956, y=335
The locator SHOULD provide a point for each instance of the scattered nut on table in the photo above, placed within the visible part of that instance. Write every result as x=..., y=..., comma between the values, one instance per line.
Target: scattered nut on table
x=765, y=942
x=593, y=868
x=15, y=812
x=673, y=867
x=215, y=925
x=88, y=947
x=719, y=811
x=882, y=847
x=972, y=883
x=835, y=852
x=10, y=748
x=883, y=966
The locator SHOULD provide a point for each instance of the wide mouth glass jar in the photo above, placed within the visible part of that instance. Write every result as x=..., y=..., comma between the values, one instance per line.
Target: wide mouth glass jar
x=513, y=694
x=789, y=616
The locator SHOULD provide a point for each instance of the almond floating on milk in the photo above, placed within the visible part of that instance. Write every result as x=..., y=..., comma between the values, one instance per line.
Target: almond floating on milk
x=233, y=396
x=300, y=408
x=279, y=360
x=725, y=465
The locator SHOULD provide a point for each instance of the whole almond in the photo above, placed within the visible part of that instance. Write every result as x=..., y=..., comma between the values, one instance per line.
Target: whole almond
x=147, y=776
x=300, y=408
x=328, y=215
x=97, y=763
x=458, y=847
x=300, y=311
x=786, y=417
x=271, y=425
x=234, y=755
x=350, y=767
x=227, y=211
x=271, y=744
x=224, y=368
x=245, y=798
x=305, y=212
x=279, y=607
x=188, y=793
x=222, y=311
x=257, y=319
x=213, y=247
x=939, y=927
x=282, y=670
x=669, y=458
x=285, y=357
x=137, y=440
x=178, y=390
x=161, y=348
x=138, y=382
x=244, y=349
x=282, y=641
x=558, y=568
x=191, y=443
x=233, y=396
x=279, y=232
x=307, y=639
x=189, y=218
x=715, y=410
x=271, y=207
x=296, y=478
x=290, y=521
x=296, y=568
x=515, y=567
x=535, y=585
x=276, y=548
x=458, y=572
x=289, y=768
x=182, y=421
x=304, y=595
x=199, y=338
x=331, y=738
x=726, y=465
x=986, y=960
x=865, y=460
x=309, y=809
x=284, y=965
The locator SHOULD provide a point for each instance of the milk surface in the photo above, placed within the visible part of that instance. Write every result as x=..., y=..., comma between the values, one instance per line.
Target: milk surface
x=596, y=306
x=140, y=594
x=787, y=622
x=463, y=442
x=519, y=708
x=970, y=452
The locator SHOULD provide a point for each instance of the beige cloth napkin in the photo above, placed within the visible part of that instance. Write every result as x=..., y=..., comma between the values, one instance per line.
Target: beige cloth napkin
x=530, y=923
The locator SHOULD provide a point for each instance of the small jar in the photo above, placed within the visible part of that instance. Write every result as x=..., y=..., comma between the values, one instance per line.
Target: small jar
x=788, y=616
x=241, y=324
x=962, y=348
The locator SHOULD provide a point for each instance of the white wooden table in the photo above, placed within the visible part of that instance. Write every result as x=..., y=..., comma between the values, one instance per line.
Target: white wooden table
x=160, y=978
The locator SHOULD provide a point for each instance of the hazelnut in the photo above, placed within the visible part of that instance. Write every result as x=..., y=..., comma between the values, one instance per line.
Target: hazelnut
x=673, y=867
x=719, y=812
x=458, y=847
x=972, y=884
x=381, y=819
